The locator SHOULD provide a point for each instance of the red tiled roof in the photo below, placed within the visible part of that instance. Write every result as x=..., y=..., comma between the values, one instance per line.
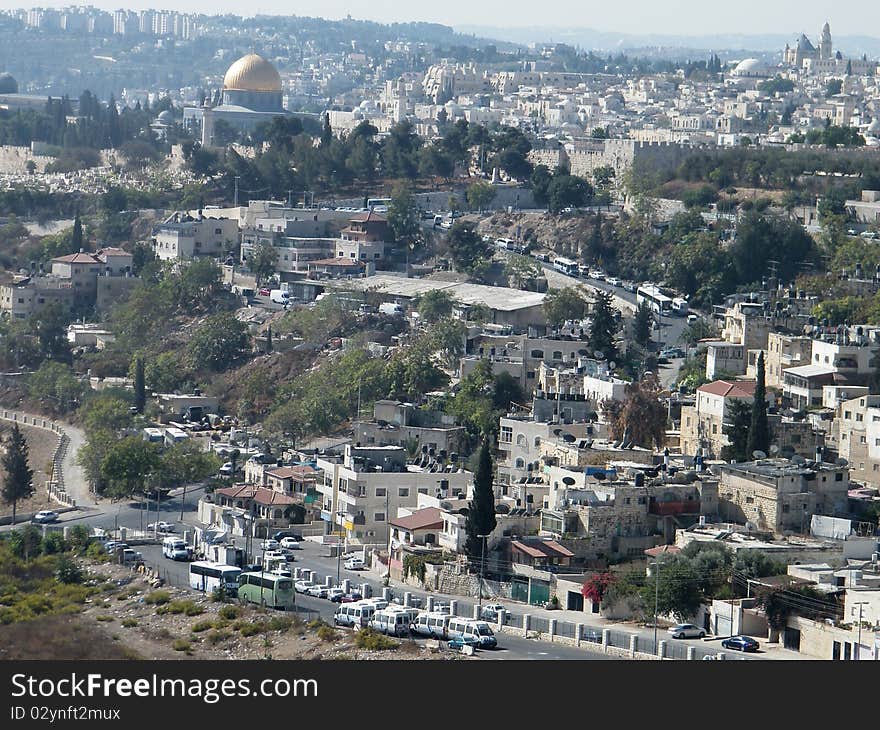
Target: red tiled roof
x=78, y=258
x=261, y=495
x=662, y=549
x=542, y=549
x=369, y=217
x=730, y=388
x=423, y=519
x=289, y=472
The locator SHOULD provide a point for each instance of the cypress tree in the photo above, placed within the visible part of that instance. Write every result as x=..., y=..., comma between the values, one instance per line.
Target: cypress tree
x=481, y=510
x=268, y=340
x=759, y=431
x=603, y=325
x=76, y=240
x=19, y=477
x=326, y=131
x=140, y=390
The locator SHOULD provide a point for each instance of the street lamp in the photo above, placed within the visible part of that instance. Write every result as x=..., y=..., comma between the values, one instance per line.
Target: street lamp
x=482, y=567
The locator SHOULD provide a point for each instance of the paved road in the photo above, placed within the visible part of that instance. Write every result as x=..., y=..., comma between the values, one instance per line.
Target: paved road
x=75, y=481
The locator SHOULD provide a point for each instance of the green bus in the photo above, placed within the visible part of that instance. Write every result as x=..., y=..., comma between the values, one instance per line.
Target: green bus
x=274, y=591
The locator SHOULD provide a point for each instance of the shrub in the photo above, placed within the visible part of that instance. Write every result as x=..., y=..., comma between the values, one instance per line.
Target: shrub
x=68, y=571
x=215, y=637
x=280, y=623
x=96, y=551
x=251, y=629
x=54, y=543
x=203, y=625
x=229, y=612
x=103, y=618
x=129, y=623
x=187, y=607
x=218, y=595
x=327, y=633
x=373, y=640
x=158, y=597
x=181, y=645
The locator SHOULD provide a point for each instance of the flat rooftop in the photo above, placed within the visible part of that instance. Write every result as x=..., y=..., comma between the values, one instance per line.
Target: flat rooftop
x=500, y=298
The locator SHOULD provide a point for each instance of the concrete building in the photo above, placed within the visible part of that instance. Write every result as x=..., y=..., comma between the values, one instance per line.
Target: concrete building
x=432, y=433
x=781, y=495
x=182, y=236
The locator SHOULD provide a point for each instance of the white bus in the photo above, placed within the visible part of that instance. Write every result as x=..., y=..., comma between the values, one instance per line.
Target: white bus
x=379, y=205
x=656, y=299
x=680, y=306
x=566, y=266
x=207, y=577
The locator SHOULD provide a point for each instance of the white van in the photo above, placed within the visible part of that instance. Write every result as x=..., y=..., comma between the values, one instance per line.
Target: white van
x=175, y=548
x=431, y=624
x=479, y=630
x=357, y=614
x=279, y=296
x=378, y=603
x=394, y=621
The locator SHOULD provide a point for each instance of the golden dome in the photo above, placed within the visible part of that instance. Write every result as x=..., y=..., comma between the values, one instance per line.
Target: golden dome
x=252, y=73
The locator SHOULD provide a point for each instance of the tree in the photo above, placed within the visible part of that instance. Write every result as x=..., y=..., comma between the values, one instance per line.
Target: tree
x=643, y=323
x=51, y=328
x=641, y=418
x=480, y=194
x=434, y=305
x=269, y=340
x=604, y=326
x=540, y=180
x=481, y=509
x=468, y=250
x=140, y=390
x=326, y=131
x=737, y=429
x=18, y=477
x=759, y=430
x=562, y=305
x=675, y=589
x=127, y=466
x=403, y=216
x=76, y=240
x=568, y=191
x=263, y=261
x=219, y=342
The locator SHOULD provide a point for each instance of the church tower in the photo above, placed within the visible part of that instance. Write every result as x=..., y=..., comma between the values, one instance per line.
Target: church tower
x=825, y=47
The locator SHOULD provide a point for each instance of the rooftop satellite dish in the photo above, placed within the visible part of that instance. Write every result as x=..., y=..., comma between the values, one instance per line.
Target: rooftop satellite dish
x=568, y=481
x=599, y=355
x=841, y=462
x=758, y=454
x=612, y=365
x=774, y=449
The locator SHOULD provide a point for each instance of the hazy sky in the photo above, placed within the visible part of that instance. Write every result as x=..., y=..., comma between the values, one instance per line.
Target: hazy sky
x=630, y=16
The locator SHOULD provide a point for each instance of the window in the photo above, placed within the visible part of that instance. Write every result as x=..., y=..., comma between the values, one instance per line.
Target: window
x=506, y=434
x=750, y=500
x=859, y=417
x=219, y=231
x=642, y=500
x=379, y=517
x=403, y=492
x=538, y=354
x=838, y=477
x=847, y=415
x=714, y=428
x=557, y=354
x=785, y=508
x=380, y=491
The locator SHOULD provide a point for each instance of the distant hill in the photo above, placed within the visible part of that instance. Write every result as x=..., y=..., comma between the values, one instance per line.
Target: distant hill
x=591, y=39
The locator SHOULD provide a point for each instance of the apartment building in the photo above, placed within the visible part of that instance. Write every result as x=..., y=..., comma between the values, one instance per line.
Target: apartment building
x=702, y=425
x=366, y=485
x=855, y=433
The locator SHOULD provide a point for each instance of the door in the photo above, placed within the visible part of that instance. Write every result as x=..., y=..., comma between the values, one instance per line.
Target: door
x=519, y=589
x=575, y=601
x=791, y=639
x=539, y=592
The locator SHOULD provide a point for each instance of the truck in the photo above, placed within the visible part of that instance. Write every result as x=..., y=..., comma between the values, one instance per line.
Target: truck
x=279, y=296
x=393, y=309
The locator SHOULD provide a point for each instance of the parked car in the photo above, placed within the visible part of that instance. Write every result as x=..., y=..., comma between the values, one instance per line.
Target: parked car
x=131, y=556
x=354, y=564
x=317, y=591
x=613, y=280
x=492, y=611
x=685, y=631
x=334, y=594
x=288, y=543
x=302, y=586
x=161, y=526
x=265, y=291
x=351, y=597
x=270, y=545
x=740, y=643
x=45, y=516
x=597, y=275
x=672, y=352
x=461, y=641
x=281, y=534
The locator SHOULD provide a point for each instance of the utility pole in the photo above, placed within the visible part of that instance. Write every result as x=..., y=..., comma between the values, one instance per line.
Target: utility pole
x=656, y=597
x=856, y=653
x=235, y=199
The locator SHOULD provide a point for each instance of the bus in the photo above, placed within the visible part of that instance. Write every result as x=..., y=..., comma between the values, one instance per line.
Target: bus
x=267, y=589
x=655, y=298
x=207, y=577
x=566, y=266
x=680, y=306
x=380, y=205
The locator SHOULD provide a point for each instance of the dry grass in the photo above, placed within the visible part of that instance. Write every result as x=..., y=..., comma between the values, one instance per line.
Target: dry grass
x=58, y=638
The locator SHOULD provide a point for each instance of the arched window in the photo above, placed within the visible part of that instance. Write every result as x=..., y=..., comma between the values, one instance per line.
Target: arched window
x=557, y=354
x=520, y=463
x=538, y=354
x=537, y=441
x=521, y=440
